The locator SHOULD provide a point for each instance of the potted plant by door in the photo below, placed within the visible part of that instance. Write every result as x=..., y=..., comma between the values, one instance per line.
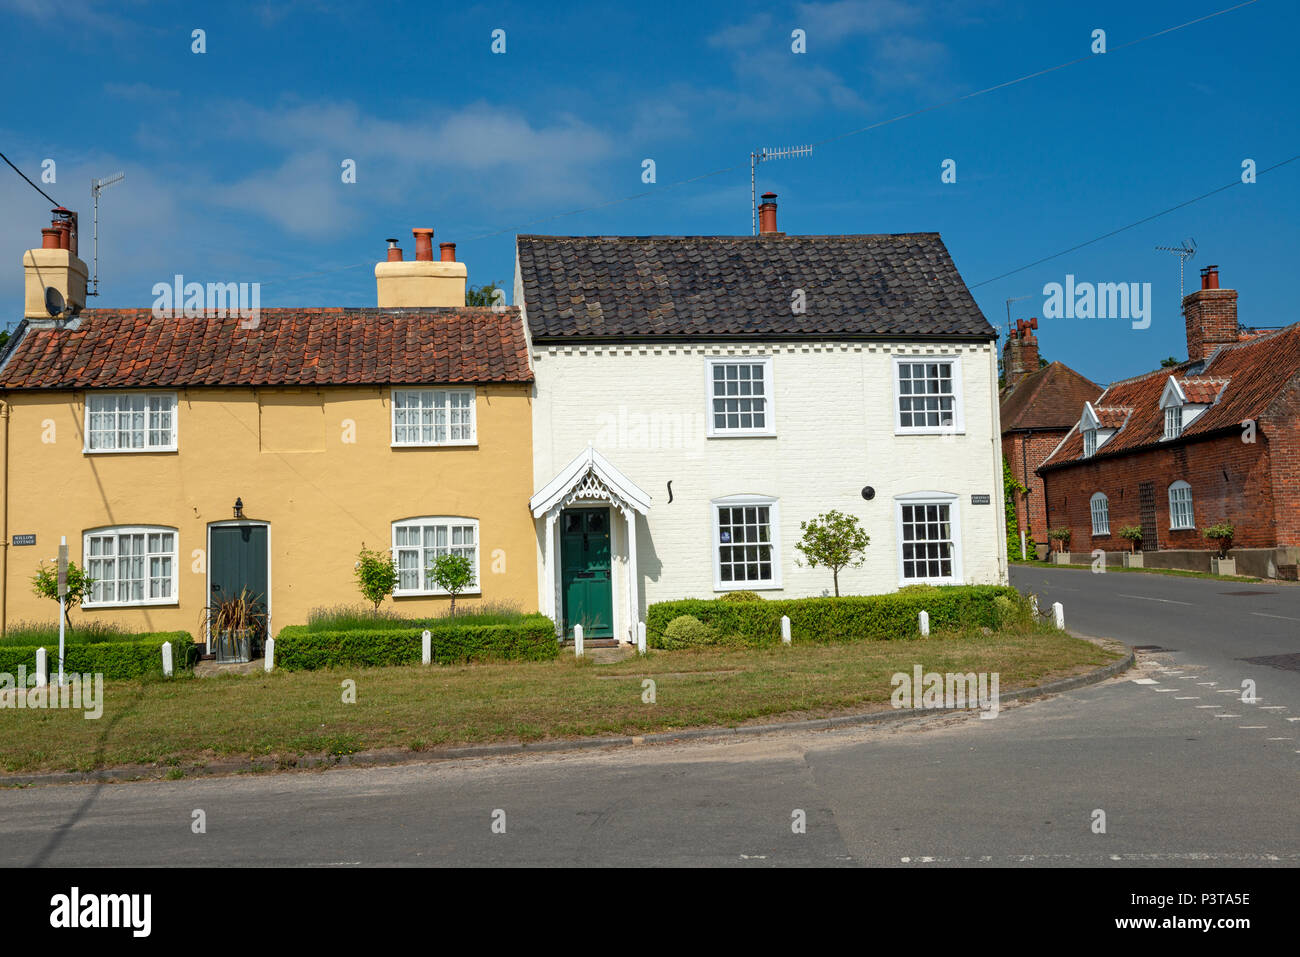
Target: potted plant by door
x=1060, y=539
x=1133, y=535
x=235, y=624
x=1221, y=534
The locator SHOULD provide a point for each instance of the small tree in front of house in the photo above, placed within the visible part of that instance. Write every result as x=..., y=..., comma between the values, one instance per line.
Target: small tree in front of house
x=1133, y=535
x=1221, y=534
x=1062, y=536
x=833, y=540
x=376, y=575
x=453, y=574
x=45, y=583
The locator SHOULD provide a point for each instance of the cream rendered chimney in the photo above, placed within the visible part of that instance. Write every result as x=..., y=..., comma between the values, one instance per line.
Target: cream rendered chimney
x=53, y=265
x=422, y=283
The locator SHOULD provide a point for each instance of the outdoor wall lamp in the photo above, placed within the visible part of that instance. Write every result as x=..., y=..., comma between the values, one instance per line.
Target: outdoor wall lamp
x=239, y=507
x=868, y=493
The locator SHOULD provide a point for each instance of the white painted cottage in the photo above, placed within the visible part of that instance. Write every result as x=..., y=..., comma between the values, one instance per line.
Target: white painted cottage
x=697, y=397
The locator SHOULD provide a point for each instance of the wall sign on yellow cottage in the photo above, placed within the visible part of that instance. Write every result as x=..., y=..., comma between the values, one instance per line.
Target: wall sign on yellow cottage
x=188, y=458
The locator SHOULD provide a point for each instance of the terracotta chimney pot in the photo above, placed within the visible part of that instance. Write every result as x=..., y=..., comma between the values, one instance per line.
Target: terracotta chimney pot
x=423, y=243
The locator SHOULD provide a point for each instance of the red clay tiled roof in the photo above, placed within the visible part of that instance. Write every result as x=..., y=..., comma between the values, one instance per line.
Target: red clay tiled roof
x=1051, y=398
x=1111, y=417
x=1202, y=391
x=1241, y=380
x=129, y=348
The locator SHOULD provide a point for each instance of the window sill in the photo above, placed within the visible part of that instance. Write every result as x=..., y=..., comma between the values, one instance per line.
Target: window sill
x=747, y=586
x=898, y=431
x=156, y=603
x=436, y=594
x=904, y=582
x=160, y=448
x=433, y=445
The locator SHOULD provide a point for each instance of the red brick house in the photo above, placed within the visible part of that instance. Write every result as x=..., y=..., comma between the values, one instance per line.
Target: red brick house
x=1213, y=439
x=1039, y=406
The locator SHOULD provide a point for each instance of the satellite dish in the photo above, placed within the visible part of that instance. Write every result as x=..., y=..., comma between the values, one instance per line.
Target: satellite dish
x=54, y=303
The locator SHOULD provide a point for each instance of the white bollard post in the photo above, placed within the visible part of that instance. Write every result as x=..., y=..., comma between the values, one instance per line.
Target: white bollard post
x=1058, y=614
x=577, y=641
x=1033, y=605
x=269, y=663
x=1024, y=556
x=426, y=647
x=167, y=658
x=923, y=619
x=785, y=629
x=42, y=670
x=640, y=637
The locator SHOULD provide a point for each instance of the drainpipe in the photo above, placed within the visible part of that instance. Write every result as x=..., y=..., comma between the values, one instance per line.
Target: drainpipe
x=4, y=513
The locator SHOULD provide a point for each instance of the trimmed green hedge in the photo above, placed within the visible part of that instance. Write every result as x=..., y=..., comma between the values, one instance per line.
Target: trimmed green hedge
x=530, y=639
x=849, y=618
x=112, y=659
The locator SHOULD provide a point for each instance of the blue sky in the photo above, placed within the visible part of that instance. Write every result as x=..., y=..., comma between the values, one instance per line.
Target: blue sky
x=233, y=156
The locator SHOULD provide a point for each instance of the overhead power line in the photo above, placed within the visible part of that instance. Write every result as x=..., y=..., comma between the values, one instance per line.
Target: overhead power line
x=29, y=182
x=1144, y=219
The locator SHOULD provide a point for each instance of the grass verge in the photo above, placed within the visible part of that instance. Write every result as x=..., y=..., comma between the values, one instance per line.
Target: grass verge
x=1176, y=572
x=190, y=722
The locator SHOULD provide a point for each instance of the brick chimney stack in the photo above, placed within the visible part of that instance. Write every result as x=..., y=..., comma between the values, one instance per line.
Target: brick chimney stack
x=1211, y=316
x=767, y=216
x=1020, y=354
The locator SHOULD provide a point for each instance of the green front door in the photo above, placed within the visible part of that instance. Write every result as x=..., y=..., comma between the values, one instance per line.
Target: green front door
x=584, y=572
x=237, y=561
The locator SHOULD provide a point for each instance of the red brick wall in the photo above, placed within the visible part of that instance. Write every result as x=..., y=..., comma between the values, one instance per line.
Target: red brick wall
x=1031, y=510
x=1281, y=427
x=1210, y=316
x=1244, y=497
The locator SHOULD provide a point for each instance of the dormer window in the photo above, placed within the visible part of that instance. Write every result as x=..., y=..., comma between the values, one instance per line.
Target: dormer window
x=1173, y=421
x=1089, y=443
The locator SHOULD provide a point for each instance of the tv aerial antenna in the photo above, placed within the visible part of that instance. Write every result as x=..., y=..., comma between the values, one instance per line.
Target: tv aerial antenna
x=1009, y=302
x=97, y=186
x=1184, y=252
x=759, y=156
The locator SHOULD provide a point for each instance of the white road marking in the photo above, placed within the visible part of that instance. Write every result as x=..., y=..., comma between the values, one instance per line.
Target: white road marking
x=1261, y=614
x=1293, y=719
x=1274, y=707
x=1208, y=684
x=1145, y=681
x=1164, y=690
x=1188, y=697
x=1167, y=601
x=1214, y=706
x=1279, y=739
x=1227, y=691
x=1252, y=727
x=1227, y=716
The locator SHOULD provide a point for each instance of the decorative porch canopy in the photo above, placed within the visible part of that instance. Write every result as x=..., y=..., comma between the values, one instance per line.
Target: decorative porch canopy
x=590, y=478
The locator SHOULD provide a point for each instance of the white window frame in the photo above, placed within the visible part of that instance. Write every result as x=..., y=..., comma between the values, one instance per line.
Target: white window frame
x=147, y=396
x=958, y=426
x=117, y=532
x=769, y=396
x=773, y=505
x=953, y=502
x=1089, y=443
x=1099, y=509
x=1176, y=508
x=445, y=391
x=1173, y=421
x=429, y=521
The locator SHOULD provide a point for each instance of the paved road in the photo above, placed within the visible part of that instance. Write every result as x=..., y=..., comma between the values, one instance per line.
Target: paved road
x=1185, y=774
x=1252, y=629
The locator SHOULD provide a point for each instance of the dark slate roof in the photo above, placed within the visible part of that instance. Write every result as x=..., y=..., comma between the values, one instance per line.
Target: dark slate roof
x=1050, y=398
x=1240, y=381
x=125, y=348
x=720, y=287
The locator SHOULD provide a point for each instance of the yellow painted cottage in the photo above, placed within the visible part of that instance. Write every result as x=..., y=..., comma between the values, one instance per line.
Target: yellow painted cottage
x=187, y=457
